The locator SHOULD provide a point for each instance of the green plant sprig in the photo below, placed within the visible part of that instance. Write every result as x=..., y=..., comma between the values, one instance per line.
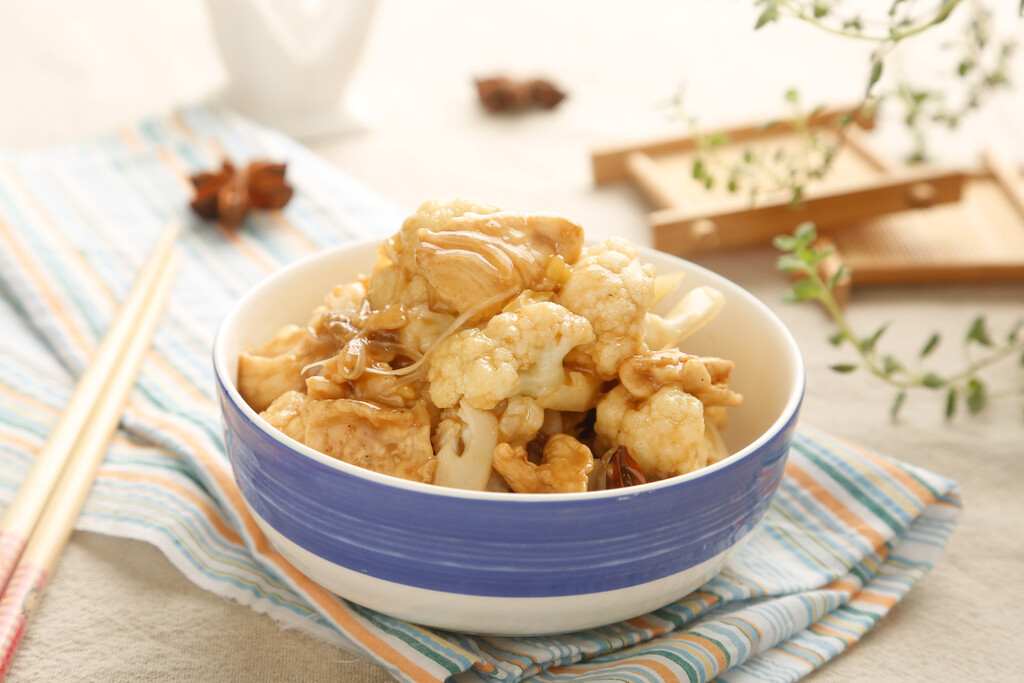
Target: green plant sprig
x=801, y=257
x=980, y=64
x=787, y=169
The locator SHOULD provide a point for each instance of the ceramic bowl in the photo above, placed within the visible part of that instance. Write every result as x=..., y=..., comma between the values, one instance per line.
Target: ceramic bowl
x=493, y=563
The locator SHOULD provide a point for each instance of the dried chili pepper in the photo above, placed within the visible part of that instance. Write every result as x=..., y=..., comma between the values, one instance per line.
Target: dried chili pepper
x=623, y=470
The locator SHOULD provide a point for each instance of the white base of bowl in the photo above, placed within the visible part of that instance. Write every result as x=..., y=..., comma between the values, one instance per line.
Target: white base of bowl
x=489, y=615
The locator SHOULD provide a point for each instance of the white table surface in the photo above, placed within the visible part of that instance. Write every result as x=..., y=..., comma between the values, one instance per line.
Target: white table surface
x=116, y=610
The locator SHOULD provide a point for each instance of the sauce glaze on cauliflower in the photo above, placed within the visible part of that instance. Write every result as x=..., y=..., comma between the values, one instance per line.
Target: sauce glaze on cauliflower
x=491, y=350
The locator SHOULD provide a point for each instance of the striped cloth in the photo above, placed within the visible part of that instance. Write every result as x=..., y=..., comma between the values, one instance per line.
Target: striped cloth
x=848, y=535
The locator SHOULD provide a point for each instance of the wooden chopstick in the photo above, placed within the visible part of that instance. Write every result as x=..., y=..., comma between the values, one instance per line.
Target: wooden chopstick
x=58, y=498
x=23, y=512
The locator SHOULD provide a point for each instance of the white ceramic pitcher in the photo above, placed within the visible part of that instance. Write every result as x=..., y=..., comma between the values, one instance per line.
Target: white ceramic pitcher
x=290, y=61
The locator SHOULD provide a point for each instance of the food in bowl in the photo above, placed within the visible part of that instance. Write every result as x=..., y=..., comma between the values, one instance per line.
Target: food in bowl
x=493, y=350
x=491, y=562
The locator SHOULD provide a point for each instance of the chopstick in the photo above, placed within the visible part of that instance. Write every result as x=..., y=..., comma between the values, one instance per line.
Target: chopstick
x=36, y=526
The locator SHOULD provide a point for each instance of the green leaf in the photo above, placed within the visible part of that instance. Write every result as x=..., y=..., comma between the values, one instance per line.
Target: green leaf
x=978, y=332
x=770, y=14
x=951, y=397
x=897, y=403
x=930, y=345
x=932, y=381
x=876, y=73
x=891, y=365
x=792, y=95
x=785, y=242
x=975, y=395
x=803, y=290
x=806, y=233
x=718, y=139
x=836, y=338
x=1011, y=338
x=841, y=272
x=868, y=343
x=748, y=156
x=843, y=368
x=788, y=263
x=698, y=169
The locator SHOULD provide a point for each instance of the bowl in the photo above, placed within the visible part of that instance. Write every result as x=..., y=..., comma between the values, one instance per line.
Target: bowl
x=510, y=564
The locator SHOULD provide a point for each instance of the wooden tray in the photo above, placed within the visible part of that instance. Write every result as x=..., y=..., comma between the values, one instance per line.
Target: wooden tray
x=890, y=224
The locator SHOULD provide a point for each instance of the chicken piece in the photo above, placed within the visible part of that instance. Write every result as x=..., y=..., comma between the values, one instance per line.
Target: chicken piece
x=611, y=288
x=480, y=262
x=664, y=433
x=564, y=468
x=392, y=441
x=286, y=414
x=704, y=377
x=397, y=279
x=265, y=372
x=517, y=353
x=465, y=440
x=692, y=312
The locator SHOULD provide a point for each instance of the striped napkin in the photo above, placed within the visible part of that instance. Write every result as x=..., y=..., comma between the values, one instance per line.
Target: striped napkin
x=848, y=535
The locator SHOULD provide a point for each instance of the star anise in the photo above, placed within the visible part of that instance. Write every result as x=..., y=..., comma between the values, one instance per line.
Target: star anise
x=505, y=94
x=227, y=195
x=623, y=470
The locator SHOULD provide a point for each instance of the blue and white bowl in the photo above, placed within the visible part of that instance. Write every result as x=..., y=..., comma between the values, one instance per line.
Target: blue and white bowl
x=494, y=563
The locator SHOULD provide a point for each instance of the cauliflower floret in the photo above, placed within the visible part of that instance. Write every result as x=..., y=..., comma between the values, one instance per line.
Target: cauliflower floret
x=663, y=433
x=465, y=440
x=611, y=288
x=517, y=353
x=472, y=365
x=520, y=421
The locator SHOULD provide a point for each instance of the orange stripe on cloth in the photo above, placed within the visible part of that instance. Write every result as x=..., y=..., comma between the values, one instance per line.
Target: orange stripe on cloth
x=211, y=514
x=822, y=629
x=843, y=586
x=815, y=659
x=897, y=473
x=699, y=645
x=743, y=630
x=641, y=623
x=46, y=289
x=836, y=506
x=647, y=666
x=872, y=598
x=47, y=221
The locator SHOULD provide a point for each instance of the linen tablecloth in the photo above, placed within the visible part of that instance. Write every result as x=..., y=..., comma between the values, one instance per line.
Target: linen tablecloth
x=848, y=535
